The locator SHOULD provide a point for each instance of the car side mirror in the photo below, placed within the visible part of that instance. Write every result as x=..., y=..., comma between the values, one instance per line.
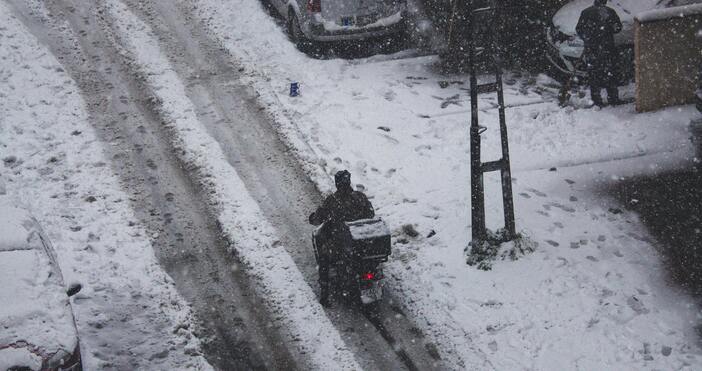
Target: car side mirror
x=73, y=289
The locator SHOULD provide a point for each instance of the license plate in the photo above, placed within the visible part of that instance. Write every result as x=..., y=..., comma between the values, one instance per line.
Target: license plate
x=347, y=21
x=371, y=294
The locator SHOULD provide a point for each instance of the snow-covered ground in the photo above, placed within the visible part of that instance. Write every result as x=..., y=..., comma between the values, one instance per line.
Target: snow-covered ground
x=594, y=294
x=128, y=314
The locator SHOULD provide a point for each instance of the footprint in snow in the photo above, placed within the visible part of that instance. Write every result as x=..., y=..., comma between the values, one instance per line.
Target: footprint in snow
x=553, y=243
x=562, y=207
x=422, y=149
x=391, y=139
x=525, y=195
x=358, y=96
x=536, y=192
x=636, y=305
x=389, y=95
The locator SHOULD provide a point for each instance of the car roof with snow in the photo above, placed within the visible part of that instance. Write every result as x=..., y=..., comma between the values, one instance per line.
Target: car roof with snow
x=35, y=315
x=567, y=16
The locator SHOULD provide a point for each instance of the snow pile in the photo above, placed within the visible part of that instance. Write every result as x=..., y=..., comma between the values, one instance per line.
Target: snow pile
x=128, y=311
x=14, y=234
x=367, y=229
x=252, y=238
x=593, y=295
x=10, y=357
x=674, y=12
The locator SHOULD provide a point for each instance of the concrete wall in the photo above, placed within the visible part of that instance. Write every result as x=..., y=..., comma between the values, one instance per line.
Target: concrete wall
x=668, y=57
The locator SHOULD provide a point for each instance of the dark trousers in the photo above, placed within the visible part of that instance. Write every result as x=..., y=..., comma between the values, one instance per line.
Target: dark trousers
x=323, y=269
x=612, y=94
x=603, y=74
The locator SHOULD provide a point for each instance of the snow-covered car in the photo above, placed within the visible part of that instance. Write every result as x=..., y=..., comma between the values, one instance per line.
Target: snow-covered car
x=336, y=20
x=565, y=48
x=37, y=329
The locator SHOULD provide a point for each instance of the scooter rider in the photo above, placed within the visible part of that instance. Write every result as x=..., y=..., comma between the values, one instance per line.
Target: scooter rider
x=344, y=205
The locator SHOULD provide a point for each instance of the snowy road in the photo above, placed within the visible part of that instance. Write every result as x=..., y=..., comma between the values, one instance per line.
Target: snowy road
x=188, y=242
x=169, y=200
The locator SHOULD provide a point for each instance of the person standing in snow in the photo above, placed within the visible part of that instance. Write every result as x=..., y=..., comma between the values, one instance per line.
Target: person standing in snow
x=597, y=26
x=344, y=205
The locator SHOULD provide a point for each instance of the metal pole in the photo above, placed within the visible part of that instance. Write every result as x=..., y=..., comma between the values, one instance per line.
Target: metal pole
x=477, y=196
x=507, y=200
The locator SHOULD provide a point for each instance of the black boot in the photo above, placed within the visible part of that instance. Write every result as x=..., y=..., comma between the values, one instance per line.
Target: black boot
x=596, y=97
x=324, y=297
x=613, y=96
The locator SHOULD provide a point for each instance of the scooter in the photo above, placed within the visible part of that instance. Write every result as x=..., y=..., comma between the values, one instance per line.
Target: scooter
x=356, y=268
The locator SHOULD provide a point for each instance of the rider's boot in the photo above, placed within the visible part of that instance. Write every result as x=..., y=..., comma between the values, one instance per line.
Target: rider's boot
x=324, y=297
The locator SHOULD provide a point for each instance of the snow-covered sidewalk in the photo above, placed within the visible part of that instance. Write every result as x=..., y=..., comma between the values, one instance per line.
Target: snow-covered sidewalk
x=593, y=295
x=128, y=314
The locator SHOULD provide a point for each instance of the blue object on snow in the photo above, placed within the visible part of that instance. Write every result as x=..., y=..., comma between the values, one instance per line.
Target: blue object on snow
x=294, y=89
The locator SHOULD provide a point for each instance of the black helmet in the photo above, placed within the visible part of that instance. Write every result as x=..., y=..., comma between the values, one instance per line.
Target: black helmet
x=342, y=179
x=600, y=2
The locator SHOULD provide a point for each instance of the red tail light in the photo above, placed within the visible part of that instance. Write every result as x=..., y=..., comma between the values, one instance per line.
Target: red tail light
x=314, y=6
x=368, y=276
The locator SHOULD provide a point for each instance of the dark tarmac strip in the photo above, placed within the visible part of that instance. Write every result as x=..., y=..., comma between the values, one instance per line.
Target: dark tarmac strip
x=233, y=325
x=670, y=206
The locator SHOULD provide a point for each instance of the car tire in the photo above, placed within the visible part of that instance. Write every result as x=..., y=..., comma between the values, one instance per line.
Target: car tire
x=295, y=32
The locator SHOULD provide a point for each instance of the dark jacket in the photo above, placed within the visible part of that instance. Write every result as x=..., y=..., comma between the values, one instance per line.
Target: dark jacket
x=343, y=206
x=597, y=26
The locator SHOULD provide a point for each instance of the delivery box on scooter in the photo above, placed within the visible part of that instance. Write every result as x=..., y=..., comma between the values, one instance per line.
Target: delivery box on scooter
x=369, y=239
